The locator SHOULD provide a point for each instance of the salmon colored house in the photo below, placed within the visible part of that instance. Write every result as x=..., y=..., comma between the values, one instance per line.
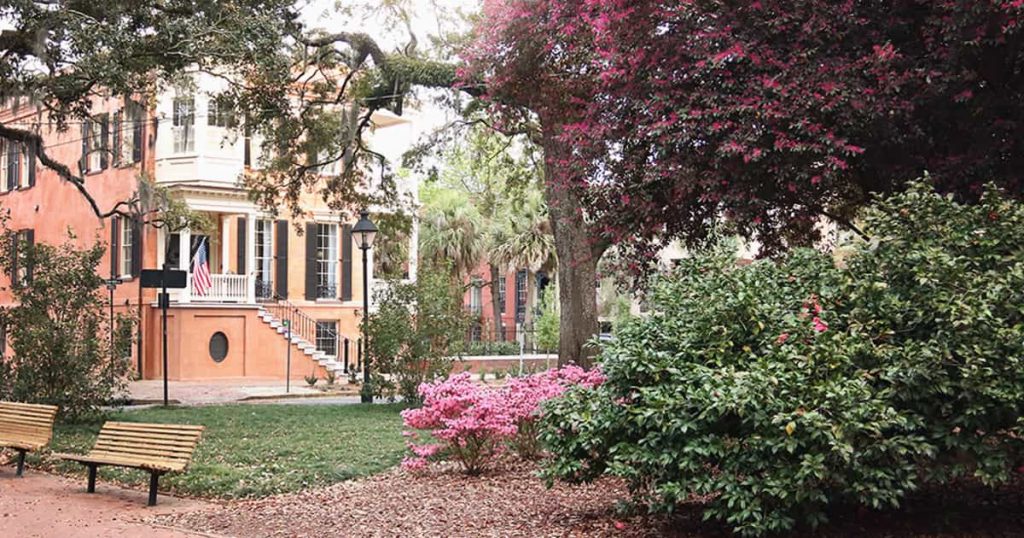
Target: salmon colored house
x=263, y=270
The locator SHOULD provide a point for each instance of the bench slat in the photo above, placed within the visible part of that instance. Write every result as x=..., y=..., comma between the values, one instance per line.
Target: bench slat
x=136, y=463
x=26, y=426
x=141, y=449
x=151, y=427
x=127, y=434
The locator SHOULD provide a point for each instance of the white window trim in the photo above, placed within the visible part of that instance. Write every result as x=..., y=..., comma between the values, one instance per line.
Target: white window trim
x=125, y=249
x=331, y=260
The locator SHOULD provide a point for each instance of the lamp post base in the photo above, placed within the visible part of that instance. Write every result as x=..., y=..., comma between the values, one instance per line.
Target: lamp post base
x=366, y=393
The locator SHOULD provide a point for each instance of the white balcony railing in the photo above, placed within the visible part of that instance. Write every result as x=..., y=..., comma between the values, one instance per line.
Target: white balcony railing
x=225, y=289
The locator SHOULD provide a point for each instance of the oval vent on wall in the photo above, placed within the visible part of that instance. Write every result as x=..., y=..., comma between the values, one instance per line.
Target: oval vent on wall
x=218, y=346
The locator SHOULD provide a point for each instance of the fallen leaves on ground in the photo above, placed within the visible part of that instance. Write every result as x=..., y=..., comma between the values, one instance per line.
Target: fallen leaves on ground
x=439, y=502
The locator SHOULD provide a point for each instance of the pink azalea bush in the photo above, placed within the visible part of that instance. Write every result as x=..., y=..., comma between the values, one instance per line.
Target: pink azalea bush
x=473, y=423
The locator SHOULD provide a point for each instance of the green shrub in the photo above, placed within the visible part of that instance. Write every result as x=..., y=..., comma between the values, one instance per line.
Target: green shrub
x=475, y=349
x=59, y=330
x=548, y=323
x=413, y=332
x=784, y=386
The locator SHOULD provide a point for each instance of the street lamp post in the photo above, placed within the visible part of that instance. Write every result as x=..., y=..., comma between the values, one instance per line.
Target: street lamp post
x=364, y=232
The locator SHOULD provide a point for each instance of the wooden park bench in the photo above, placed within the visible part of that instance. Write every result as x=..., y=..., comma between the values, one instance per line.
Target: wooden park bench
x=25, y=428
x=157, y=448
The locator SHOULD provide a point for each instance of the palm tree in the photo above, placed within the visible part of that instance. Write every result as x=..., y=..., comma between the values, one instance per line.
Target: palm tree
x=529, y=243
x=451, y=232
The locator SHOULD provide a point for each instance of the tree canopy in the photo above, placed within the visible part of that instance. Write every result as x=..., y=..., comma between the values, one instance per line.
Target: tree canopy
x=773, y=114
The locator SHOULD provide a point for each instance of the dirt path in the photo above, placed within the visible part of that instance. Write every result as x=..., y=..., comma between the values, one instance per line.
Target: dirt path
x=41, y=505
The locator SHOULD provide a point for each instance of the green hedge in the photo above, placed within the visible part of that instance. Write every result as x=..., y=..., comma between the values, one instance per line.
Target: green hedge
x=738, y=388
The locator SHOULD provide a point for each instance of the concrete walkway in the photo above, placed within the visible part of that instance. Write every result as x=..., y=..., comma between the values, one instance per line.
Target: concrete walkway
x=41, y=505
x=222, y=391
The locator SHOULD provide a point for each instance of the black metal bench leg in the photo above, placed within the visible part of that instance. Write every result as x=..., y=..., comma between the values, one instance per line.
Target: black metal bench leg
x=154, y=478
x=21, y=463
x=92, y=479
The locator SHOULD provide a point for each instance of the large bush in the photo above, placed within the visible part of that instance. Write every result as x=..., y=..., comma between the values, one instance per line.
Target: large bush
x=59, y=330
x=778, y=388
x=413, y=332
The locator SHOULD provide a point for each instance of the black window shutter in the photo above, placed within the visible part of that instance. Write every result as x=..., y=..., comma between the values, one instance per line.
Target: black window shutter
x=242, y=229
x=115, y=227
x=31, y=157
x=30, y=241
x=311, y=264
x=281, y=260
x=346, y=262
x=136, y=248
x=83, y=164
x=137, y=121
x=104, y=140
x=115, y=144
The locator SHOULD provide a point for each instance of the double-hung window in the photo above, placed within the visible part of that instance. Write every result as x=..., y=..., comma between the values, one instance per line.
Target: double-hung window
x=184, y=120
x=327, y=337
x=476, y=296
x=327, y=261
x=97, y=145
x=264, y=258
x=125, y=246
x=127, y=132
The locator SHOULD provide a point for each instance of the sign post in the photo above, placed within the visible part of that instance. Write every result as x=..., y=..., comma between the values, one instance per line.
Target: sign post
x=288, y=359
x=112, y=283
x=164, y=279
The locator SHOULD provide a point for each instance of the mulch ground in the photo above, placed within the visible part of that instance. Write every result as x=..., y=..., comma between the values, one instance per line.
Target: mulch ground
x=514, y=503
x=439, y=502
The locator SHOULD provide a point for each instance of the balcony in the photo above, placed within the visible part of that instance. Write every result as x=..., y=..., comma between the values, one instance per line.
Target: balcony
x=225, y=289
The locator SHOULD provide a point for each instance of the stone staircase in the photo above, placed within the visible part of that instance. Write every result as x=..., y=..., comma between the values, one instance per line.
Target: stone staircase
x=305, y=346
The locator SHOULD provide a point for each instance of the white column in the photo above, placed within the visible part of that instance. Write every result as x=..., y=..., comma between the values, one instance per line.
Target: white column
x=185, y=260
x=225, y=239
x=250, y=257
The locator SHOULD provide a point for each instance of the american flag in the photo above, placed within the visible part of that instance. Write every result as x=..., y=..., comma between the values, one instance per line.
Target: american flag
x=201, y=281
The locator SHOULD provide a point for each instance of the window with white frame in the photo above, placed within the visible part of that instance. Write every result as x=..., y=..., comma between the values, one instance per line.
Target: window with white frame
x=264, y=257
x=97, y=143
x=129, y=127
x=327, y=337
x=125, y=246
x=327, y=260
x=476, y=296
x=184, y=120
x=219, y=113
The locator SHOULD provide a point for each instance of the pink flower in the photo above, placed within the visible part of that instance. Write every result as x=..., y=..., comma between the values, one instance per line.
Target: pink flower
x=473, y=422
x=819, y=325
x=782, y=338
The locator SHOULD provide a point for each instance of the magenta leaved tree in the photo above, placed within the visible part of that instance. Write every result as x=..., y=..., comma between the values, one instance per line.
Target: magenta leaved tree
x=773, y=113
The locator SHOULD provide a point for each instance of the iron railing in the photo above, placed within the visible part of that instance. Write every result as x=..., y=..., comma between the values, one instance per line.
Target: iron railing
x=347, y=351
x=264, y=289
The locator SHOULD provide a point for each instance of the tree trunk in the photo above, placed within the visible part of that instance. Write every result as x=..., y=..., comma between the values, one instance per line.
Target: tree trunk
x=496, y=306
x=577, y=258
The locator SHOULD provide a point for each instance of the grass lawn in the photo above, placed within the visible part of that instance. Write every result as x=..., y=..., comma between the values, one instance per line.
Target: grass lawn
x=256, y=450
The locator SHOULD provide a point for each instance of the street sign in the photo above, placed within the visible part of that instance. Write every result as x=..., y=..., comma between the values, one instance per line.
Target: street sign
x=154, y=278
